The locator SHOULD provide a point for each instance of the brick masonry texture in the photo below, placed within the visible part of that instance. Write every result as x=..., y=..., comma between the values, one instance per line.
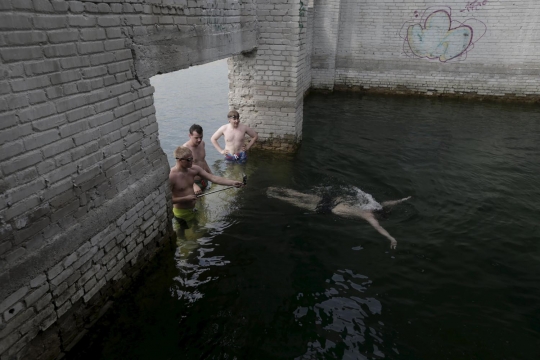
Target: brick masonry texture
x=84, y=197
x=366, y=44
x=268, y=85
x=84, y=201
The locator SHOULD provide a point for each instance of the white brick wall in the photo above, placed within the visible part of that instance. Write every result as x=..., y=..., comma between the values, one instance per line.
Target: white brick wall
x=373, y=52
x=83, y=179
x=326, y=26
x=78, y=131
x=268, y=85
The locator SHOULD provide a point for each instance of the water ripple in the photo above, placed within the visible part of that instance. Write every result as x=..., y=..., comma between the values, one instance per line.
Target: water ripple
x=347, y=324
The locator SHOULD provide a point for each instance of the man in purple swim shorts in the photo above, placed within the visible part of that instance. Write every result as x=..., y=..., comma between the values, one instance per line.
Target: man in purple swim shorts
x=240, y=157
x=234, y=134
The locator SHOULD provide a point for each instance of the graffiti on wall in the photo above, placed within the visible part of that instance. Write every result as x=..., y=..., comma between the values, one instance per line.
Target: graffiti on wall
x=474, y=5
x=436, y=35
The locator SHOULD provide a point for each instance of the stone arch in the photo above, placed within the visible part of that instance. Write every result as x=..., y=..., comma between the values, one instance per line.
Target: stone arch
x=84, y=180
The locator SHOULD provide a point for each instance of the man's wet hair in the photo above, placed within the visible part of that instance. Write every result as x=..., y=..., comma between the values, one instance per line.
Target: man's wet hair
x=181, y=151
x=197, y=128
x=233, y=113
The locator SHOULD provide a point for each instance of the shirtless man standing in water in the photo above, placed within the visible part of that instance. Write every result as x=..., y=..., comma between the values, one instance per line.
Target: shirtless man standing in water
x=196, y=145
x=234, y=134
x=181, y=179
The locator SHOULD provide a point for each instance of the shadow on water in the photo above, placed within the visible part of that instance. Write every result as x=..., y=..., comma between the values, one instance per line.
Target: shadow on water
x=264, y=279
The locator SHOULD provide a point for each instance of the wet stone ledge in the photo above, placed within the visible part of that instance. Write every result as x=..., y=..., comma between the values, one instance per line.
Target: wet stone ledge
x=401, y=90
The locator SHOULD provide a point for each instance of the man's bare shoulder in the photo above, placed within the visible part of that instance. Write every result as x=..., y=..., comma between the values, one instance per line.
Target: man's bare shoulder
x=221, y=129
x=173, y=174
x=197, y=149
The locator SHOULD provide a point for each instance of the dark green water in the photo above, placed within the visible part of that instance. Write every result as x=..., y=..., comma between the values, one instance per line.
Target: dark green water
x=263, y=279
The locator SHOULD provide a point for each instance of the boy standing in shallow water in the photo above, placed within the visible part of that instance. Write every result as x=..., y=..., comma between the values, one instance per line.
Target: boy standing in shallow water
x=234, y=134
x=196, y=145
x=181, y=179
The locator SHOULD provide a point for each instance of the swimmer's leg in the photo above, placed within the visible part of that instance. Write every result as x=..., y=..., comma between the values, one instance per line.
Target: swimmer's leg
x=370, y=218
x=304, y=201
x=179, y=227
x=394, y=202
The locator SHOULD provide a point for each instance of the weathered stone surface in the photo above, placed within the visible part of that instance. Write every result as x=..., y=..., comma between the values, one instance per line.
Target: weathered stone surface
x=84, y=178
x=351, y=53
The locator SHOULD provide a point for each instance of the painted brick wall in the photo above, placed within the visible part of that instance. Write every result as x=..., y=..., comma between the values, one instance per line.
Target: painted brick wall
x=375, y=49
x=84, y=193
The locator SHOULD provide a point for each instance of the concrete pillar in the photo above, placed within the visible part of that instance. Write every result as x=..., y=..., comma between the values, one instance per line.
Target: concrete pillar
x=267, y=85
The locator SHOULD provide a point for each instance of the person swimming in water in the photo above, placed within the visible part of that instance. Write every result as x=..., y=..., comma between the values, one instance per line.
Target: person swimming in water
x=359, y=205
